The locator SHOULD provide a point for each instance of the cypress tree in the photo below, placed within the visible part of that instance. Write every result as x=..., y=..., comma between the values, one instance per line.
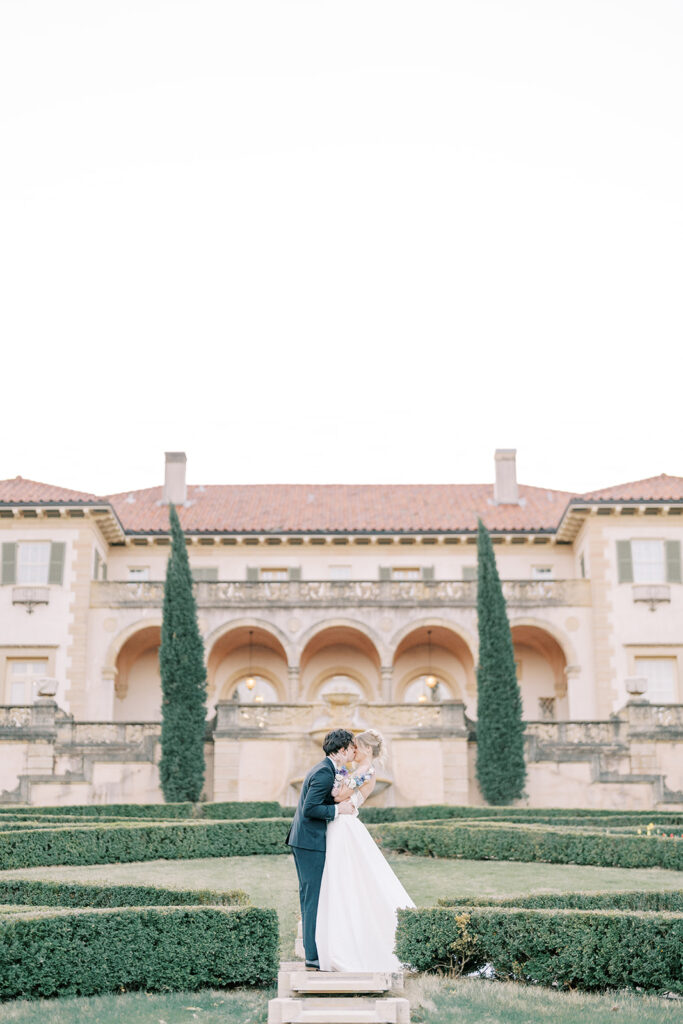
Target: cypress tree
x=501, y=769
x=183, y=679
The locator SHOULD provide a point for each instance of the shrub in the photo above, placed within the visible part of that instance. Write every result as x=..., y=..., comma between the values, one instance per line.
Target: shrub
x=488, y=841
x=638, y=900
x=545, y=815
x=154, y=949
x=70, y=894
x=106, y=844
x=223, y=809
x=588, y=949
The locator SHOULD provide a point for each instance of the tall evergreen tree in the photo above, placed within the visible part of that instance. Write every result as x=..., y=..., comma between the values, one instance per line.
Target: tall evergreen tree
x=183, y=679
x=501, y=769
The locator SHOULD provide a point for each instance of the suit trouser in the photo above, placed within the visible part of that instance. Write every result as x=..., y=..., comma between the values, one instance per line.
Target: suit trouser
x=309, y=867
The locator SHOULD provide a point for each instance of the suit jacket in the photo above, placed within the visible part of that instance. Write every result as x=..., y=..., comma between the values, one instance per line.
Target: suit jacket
x=315, y=808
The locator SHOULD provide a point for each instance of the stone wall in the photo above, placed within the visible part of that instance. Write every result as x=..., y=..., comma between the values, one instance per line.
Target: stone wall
x=261, y=752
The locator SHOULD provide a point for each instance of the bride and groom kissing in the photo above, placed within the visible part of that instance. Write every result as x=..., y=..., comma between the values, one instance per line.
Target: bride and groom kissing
x=348, y=893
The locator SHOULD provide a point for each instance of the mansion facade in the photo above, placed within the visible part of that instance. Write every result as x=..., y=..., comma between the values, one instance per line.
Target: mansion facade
x=341, y=604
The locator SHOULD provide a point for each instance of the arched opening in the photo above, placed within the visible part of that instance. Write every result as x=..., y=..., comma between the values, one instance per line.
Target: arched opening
x=137, y=690
x=247, y=664
x=541, y=665
x=433, y=663
x=340, y=657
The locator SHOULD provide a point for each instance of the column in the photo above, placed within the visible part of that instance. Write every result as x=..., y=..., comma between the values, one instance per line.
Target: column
x=387, y=683
x=293, y=695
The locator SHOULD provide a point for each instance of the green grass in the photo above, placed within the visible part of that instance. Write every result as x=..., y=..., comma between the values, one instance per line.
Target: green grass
x=433, y=1001
x=271, y=881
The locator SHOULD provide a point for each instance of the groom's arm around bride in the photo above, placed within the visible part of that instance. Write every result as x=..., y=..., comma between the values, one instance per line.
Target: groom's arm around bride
x=307, y=836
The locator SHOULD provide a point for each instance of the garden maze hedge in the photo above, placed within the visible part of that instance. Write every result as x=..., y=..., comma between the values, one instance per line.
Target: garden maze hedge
x=62, y=938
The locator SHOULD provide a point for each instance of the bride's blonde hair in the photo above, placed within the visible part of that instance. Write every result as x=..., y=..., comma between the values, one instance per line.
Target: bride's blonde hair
x=375, y=741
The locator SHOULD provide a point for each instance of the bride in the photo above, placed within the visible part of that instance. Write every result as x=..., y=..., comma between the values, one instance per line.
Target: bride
x=359, y=893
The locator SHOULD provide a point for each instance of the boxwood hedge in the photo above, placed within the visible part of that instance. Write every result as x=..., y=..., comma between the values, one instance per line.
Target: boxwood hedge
x=112, y=843
x=86, y=952
x=497, y=841
x=223, y=809
x=587, y=949
x=31, y=892
x=636, y=900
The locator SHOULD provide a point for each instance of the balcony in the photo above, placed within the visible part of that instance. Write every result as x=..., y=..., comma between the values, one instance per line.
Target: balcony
x=345, y=594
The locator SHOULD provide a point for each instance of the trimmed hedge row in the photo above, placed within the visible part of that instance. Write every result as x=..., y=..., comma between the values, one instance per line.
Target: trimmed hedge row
x=545, y=815
x=534, y=843
x=27, y=892
x=108, y=844
x=587, y=949
x=80, y=952
x=636, y=900
x=224, y=809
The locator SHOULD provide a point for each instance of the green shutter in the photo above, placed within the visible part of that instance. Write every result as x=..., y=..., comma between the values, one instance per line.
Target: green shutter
x=96, y=566
x=384, y=572
x=104, y=571
x=9, y=563
x=205, y=574
x=624, y=561
x=56, y=573
x=469, y=572
x=252, y=574
x=295, y=572
x=673, y=561
x=427, y=572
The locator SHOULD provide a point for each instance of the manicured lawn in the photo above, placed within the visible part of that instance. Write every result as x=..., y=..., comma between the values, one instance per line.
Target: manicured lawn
x=271, y=881
x=433, y=1001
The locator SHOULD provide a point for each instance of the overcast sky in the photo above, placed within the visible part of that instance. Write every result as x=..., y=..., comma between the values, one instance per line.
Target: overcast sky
x=341, y=242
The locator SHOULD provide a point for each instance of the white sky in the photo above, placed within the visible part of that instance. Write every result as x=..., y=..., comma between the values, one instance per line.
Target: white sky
x=341, y=242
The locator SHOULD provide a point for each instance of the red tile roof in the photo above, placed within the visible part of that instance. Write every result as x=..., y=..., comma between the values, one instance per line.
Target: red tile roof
x=653, y=488
x=322, y=508
x=31, y=492
x=341, y=508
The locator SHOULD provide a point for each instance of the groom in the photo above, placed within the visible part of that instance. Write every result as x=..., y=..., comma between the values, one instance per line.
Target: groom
x=307, y=835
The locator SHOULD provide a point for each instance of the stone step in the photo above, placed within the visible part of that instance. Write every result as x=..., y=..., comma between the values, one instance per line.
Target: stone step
x=352, y=1010
x=293, y=979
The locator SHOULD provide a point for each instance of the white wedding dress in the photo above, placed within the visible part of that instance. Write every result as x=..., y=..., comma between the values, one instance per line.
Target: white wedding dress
x=359, y=896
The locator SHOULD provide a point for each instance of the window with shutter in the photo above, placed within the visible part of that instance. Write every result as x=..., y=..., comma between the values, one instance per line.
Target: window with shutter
x=252, y=574
x=205, y=574
x=427, y=572
x=9, y=563
x=673, y=561
x=624, y=561
x=295, y=572
x=384, y=572
x=56, y=572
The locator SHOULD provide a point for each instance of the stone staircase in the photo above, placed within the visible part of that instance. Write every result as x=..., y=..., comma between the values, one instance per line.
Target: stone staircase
x=320, y=997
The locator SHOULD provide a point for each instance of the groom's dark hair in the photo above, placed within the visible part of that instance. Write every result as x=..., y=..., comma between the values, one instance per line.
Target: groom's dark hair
x=337, y=740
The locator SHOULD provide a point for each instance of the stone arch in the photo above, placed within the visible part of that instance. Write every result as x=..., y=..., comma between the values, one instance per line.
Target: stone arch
x=452, y=658
x=251, y=623
x=554, y=631
x=120, y=639
x=234, y=677
x=231, y=648
x=343, y=623
x=340, y=647
x=137, y=685
x=542, y=669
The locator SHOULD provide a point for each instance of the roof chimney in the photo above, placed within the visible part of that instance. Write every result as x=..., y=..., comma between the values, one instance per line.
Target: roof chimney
x=175, y=486
x=505, y=490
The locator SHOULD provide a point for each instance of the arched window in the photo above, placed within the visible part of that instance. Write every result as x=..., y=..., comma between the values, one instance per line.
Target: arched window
x=255, y=690
x=339, y=684
x=427, y=690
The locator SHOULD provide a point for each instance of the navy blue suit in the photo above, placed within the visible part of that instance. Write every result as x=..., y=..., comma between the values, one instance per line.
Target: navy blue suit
x=307, y=839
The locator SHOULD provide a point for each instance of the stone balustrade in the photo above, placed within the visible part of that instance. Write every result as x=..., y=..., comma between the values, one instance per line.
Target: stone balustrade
x=344, y=593
x=446, y=719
